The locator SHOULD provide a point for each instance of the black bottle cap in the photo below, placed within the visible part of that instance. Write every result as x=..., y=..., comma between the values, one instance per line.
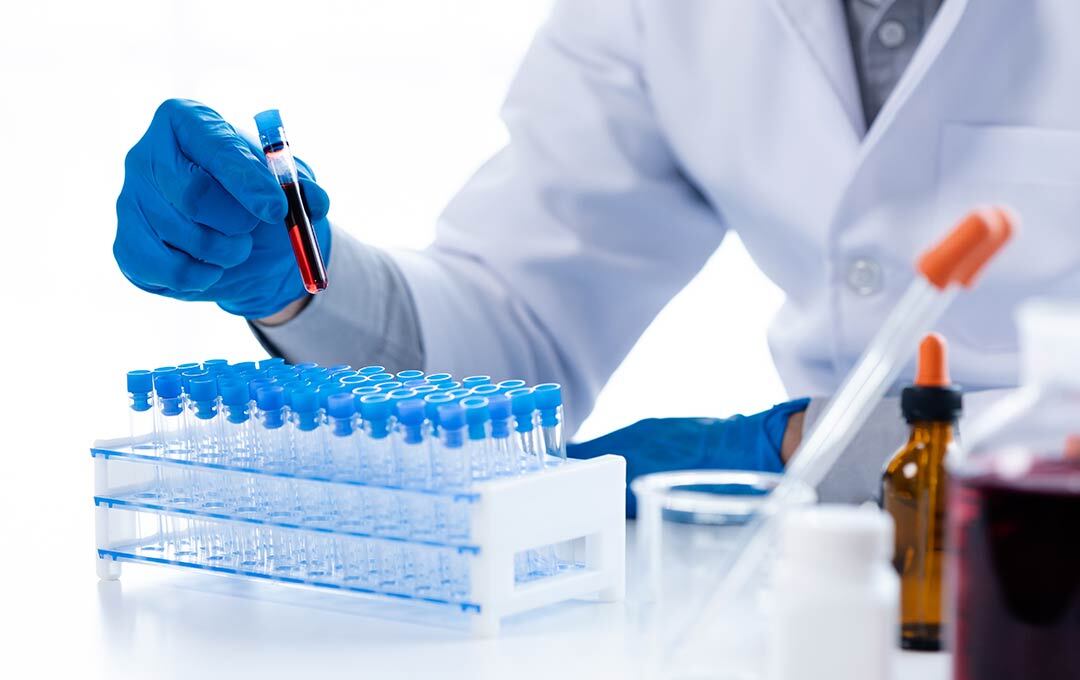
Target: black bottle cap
x=934, y=404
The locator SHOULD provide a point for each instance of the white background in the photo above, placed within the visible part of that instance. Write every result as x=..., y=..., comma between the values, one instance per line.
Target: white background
x=393, y=102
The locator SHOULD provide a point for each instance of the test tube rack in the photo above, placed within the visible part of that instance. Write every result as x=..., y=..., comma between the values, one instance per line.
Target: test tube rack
x=305, y=532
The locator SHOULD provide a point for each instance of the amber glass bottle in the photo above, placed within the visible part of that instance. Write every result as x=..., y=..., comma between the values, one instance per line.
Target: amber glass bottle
x=913, y=492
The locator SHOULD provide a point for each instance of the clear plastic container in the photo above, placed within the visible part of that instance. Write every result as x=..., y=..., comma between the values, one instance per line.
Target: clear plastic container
x=1014, y=507
x=688, y=525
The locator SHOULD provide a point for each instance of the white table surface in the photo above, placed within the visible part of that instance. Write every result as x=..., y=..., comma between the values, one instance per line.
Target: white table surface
x=158, y=622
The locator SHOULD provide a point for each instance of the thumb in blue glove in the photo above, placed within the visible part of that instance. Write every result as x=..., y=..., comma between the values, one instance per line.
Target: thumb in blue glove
x=666, y=444
x=200, y=217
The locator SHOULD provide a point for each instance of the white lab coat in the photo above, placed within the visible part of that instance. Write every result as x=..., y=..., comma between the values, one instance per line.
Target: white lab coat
x=642, y=130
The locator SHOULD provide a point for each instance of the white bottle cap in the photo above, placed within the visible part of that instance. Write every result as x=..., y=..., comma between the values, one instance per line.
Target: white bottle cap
x=1049, y=342
x=834, y=535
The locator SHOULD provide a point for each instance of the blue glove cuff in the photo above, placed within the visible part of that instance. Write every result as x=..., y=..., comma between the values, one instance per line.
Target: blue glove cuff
x=666, y=444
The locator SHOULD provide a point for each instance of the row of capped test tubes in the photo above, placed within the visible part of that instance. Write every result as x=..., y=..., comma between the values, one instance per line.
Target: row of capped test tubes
x=407, y=430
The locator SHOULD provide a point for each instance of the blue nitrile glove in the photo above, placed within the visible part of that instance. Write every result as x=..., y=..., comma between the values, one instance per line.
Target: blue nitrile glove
x=201, y=217
x=665, y=444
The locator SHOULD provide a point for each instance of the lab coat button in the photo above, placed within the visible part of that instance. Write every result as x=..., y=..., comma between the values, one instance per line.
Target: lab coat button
x=892, y=34
x=864, y=277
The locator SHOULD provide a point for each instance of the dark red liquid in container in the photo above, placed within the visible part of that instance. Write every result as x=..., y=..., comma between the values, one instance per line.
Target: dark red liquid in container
x=302, y=236
x=1015, y=576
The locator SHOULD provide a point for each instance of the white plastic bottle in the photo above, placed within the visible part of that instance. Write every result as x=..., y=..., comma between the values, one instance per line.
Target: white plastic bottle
x=835, y=596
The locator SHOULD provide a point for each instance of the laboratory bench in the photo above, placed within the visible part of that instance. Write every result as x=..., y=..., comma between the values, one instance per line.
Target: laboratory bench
x=161, y=622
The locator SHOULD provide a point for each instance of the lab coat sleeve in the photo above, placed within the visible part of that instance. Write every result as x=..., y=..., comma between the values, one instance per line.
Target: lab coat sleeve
x=365, y=316
x=558, y=253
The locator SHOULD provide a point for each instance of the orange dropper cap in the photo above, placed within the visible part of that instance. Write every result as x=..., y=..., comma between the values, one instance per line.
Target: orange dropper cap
x=933, y=369
x=962, y=254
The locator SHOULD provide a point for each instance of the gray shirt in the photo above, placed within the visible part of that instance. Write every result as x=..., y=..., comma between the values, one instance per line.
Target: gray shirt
x=884, y=36
x=367, y=314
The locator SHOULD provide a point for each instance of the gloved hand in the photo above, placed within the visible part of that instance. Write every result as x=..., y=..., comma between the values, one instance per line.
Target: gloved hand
x=666, y=444
x=201, y=217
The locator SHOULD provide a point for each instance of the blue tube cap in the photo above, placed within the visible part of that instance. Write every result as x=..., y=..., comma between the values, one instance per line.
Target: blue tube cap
x=375, y=407
x=234, y=392
x=411, y=374
x=272, y=361
x=411, y=412
x=305, y=400
x=522, y=401
x=341, y=406
x=499, y=407
x=474, y=380
x=548, y=396
x=451, y=416
x=432, y=402
x=167, y=385
x=140, y=382
x=507, y=385
x=438, y=378
x=270, y=397
x=203, y=389
x=269, y=124
x=255, y=385
x=476, y=410
x=372, y=370
x=485, y=390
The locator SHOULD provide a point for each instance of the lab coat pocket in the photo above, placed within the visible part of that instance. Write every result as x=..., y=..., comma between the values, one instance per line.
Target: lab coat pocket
x=1036, y=172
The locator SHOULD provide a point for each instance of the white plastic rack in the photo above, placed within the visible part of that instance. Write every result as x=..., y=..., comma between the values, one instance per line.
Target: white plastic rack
x=521, y=542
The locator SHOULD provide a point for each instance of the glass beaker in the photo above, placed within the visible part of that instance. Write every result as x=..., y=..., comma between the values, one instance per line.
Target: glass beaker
x=687, y=527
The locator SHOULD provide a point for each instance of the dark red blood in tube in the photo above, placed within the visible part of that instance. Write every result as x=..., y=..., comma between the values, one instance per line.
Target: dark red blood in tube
x=304, y=243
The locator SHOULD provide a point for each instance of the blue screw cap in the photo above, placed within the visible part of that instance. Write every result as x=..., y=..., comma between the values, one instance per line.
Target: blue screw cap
x=425, y=389
x=341, y=406
x=507, y=385
x=375, y=407
x=438, y=378
x=234, y=393
x=272, y=361
x=270, y=397
x=449, y=385
x=255, y=385
x=388, y=385
x=377, y=378
x=305, y=400
x=499, y=407
x=522, y=401
x=474, y=380
x=140, y=382
x=432, y=402
x=485, y=390
x=167, y=385
x=340, y=367
x=269, y=126
x=203, y=389
x=411, y=412
x=372, y=370
x=411, y=374
x=451, y=416
x=548, y=396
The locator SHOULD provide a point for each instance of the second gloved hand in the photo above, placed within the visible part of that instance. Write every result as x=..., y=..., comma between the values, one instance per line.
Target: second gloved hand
x=666, y=444
x=201, y=217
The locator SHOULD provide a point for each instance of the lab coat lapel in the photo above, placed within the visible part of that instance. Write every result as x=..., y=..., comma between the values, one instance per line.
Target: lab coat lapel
x=822, y=27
